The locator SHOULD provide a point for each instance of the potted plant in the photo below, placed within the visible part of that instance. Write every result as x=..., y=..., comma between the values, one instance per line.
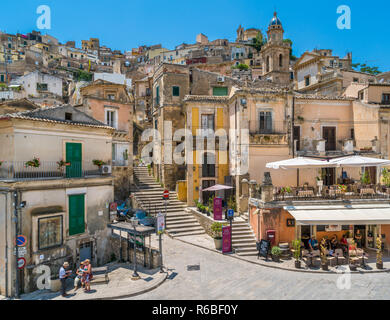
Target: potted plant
x=276, y=252
x=216, y=229
x=35, y=163
x=365, y=178
x=207, y=210
x=61, y=164
x=55, y=283
x=126, y=157
x=379, y=261
x=342, y=188
x=296, y=245
x=98, y=163
x=324, y=258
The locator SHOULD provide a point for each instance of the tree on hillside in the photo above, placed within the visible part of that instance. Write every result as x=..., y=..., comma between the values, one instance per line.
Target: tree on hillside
x=362, y=67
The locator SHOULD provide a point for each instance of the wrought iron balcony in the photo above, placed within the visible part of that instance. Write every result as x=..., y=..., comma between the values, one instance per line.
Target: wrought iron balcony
x=20, y=170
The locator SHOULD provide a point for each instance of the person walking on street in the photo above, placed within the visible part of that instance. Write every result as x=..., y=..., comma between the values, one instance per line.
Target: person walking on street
x=64, y=274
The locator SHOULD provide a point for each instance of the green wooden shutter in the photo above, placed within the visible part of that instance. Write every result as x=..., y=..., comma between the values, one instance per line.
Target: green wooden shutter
x=76, y=214
x=74, y=156
x=220, y=91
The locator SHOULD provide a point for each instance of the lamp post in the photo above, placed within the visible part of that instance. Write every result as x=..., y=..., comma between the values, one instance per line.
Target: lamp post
x=135, y=275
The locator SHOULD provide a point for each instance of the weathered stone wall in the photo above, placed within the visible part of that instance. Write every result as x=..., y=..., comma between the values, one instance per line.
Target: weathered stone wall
x=148, y=258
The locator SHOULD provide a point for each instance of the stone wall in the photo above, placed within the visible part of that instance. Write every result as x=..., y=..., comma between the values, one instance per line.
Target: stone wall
x=148, y=258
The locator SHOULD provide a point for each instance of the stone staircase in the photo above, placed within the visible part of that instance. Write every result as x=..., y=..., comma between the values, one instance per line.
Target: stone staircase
x=243, y=239
x=148, y=194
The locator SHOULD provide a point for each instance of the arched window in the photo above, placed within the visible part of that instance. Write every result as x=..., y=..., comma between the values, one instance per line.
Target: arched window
x=267, y=65
x=280, y=60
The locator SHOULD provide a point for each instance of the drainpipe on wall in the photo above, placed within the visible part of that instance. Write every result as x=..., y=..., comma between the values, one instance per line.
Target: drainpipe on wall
x=6, y=242
x=16, y=247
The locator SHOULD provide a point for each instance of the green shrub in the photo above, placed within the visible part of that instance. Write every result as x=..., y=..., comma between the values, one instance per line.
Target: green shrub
x=276, y=251
x=296, y=245
x=216, y=228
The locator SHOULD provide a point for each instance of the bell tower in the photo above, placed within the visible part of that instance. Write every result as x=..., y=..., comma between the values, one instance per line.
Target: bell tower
x=275, y=54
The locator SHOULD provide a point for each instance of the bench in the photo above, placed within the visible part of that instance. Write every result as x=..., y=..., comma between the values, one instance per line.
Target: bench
x=100, y=275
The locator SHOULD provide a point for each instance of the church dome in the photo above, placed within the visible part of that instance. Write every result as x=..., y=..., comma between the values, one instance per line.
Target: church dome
x=275, y=21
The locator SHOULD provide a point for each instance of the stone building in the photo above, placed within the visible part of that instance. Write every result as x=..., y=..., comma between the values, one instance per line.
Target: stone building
x=61, y=196
x=275, y=54
x=321, y=72
x=112, y=104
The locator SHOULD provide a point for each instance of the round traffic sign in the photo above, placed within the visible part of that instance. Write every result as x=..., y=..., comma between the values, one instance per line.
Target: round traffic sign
x=166, y=194
x=21, y=263
x=20, y=240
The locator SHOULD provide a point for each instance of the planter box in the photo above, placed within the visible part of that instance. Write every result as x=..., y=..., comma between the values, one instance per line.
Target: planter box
x=218, y=244
x=55, y=285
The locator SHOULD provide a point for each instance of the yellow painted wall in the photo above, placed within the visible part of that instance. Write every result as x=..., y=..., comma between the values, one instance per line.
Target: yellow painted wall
x=181, y=188
x=195, y=125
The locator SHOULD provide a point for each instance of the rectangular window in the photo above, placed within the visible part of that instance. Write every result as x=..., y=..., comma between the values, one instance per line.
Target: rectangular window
x=265, y=122
x=355, y=79
x=114, y=151
x=175, y=91
x=320, y=228
x=386, y=98
x=49, y=232
x=220, y=91
x=42, y=86
x=307, y=81
x=2, y=78
x=68, y=116
x=208, y=121
x=157, y=95
x=110, y=118
x=76, y=214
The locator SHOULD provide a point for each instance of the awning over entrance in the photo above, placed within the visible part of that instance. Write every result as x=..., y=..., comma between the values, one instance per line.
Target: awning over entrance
x=341, y=215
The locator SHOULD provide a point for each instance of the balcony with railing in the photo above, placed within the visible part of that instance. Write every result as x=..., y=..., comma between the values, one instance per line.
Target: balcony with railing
x=19, y=170
x=265, y=131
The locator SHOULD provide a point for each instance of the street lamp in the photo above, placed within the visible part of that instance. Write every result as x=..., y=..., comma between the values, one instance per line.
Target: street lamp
x=135, y=275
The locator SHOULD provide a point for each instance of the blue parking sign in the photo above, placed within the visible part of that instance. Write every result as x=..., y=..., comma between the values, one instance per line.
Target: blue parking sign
x=230, y=213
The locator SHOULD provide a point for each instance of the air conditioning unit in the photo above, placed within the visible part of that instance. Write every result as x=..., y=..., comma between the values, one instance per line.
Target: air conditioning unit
x=105, y=169
x=221, y=79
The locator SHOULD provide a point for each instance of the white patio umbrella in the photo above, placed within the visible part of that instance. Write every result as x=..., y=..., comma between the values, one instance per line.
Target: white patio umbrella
x=359, y=161
x=300, y=163
x=217, y=187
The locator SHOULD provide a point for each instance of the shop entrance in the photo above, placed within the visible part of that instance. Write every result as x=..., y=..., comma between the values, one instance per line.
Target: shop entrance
x=305, y=235
x=362, y=229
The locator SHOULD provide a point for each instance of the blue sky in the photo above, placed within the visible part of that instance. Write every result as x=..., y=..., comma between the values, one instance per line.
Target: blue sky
x=124, y=24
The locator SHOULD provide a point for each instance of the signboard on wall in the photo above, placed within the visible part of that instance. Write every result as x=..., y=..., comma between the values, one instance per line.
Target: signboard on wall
x=333, y=227
x=217, y=208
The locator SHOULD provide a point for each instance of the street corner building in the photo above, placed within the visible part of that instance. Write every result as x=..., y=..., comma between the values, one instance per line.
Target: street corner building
x=51, y=178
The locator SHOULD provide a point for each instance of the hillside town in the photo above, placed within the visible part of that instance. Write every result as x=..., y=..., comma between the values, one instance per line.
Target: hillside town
x=238, y=147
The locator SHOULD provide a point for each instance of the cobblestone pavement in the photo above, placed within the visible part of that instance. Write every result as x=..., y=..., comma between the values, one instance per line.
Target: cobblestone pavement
x=119, y=285
x=223, y=277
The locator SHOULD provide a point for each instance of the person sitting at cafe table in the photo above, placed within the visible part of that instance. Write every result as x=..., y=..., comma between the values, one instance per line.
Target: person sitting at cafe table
x=313, y=243
x=344, y=243
x=334, y=242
